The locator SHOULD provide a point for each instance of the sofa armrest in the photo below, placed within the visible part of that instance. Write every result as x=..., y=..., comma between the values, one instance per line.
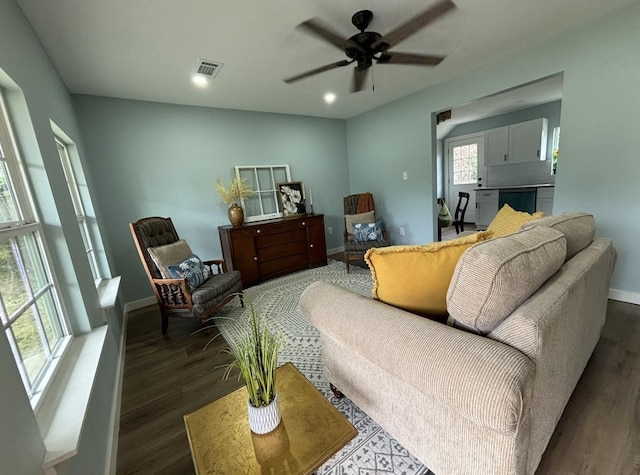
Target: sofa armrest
x=483, y=380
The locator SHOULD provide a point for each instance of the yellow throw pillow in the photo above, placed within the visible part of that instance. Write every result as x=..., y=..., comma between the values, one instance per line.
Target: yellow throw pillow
x=508, y=220
x=416, y=278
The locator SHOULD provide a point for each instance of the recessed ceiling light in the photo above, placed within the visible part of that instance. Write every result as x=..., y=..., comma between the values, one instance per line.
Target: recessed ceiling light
x=199, y=80
x=329, y=97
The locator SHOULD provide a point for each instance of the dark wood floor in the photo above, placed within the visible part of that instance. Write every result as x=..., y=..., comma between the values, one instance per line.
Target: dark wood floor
x=165, y=378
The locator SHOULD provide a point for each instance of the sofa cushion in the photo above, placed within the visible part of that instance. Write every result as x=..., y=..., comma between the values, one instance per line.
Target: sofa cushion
x=164, y=256
x=578, y=229
x=416, y=278
x=351, y=219
x=508, y=220
x=494, y=277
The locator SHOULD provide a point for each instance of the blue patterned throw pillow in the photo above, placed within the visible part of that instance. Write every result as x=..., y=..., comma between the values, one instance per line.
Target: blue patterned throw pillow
x=368, y=231
x=191, y=269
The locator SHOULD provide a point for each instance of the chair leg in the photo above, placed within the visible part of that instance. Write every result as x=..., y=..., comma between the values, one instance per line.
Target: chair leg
x=165, y=323
x=346, y=260
x=336, y=392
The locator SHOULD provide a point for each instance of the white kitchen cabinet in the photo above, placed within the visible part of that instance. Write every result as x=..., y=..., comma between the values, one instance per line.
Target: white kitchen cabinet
x=496, y=146
x=517, y=143
x=486, y=207
x=544, y=200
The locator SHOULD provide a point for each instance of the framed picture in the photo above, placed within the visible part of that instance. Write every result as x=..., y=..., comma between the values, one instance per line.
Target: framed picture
x=292, y=198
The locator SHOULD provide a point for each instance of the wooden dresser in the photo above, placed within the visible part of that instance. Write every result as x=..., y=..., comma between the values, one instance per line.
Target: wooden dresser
x=267, y=249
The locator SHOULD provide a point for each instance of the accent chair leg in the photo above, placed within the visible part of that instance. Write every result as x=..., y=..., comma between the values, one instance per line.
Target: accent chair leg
x=336, y=392
x=346, y=260
x=165, y=323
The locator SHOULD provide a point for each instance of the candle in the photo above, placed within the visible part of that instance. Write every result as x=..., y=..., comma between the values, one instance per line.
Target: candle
x=310, y=197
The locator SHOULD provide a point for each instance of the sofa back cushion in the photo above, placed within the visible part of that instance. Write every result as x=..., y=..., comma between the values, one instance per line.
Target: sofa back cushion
x=494, y=277
x=578, y=229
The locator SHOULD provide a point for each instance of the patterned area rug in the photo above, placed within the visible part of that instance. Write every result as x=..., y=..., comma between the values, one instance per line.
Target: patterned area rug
x=373, y=451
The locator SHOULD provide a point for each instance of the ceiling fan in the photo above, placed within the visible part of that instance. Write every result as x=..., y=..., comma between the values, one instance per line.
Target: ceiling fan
x=368, y=46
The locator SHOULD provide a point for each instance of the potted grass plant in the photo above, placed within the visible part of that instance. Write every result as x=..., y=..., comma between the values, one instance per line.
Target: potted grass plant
x=255, y=354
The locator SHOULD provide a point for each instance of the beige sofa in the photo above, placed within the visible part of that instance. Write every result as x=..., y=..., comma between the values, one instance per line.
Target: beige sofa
x=484, y=395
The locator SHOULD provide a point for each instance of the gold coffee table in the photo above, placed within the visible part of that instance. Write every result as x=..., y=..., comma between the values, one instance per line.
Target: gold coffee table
x=311, y=431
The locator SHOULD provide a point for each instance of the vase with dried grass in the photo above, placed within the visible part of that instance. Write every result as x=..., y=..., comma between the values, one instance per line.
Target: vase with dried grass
x=237, y=191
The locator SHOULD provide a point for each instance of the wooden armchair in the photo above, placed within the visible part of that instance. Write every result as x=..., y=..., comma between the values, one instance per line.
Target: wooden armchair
x=174, y=296
x=358, y=204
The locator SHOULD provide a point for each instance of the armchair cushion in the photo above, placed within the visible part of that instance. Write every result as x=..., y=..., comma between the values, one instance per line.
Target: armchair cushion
x=164, y=256
x=192, y=269
x=416, y=278
x=351, y=219
x=368, y=231
x=214, y=290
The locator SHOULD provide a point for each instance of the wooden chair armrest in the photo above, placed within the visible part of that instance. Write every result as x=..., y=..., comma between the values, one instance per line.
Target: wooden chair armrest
x=181, y=283
x=219, y=263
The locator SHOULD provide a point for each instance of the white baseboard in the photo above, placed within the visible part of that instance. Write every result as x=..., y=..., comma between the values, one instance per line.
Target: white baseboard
x=335, y=250
x=624, y=296
x=136, y=304
x=114, y=423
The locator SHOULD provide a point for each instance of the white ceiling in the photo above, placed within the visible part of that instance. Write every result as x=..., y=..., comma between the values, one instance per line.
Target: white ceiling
x=148, y=49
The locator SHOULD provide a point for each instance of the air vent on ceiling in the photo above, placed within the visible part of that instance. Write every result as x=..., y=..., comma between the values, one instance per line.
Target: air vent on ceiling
x=208, y=68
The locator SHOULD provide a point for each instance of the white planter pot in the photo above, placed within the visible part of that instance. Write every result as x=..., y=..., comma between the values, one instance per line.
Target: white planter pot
x=263, y=420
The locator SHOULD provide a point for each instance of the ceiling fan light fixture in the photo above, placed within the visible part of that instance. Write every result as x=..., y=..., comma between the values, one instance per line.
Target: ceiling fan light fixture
x=366, y=46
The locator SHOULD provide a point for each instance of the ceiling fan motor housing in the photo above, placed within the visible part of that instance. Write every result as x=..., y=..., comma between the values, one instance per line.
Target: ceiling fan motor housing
x=360, y=48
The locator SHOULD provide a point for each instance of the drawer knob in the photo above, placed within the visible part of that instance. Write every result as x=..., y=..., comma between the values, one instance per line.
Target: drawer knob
x=310, y=245
x=257, y=231
x=255, y=258
x=303, y=223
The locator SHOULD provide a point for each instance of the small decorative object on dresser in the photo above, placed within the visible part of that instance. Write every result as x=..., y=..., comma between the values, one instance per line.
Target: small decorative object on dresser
x=292, y=198
x=255, y=354
x=238, y=190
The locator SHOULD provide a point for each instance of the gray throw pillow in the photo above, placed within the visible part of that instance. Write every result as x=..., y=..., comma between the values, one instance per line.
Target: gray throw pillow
x=169, y=254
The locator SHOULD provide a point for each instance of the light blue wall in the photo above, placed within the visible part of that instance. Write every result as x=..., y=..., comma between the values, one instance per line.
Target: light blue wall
x=598, y=169
x=382, y=145
x=151, y=159
x=550, y=110
x=35, y=96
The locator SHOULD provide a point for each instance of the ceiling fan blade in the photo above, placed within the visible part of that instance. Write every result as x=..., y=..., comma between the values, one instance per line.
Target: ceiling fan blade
x=319, y=70
x=359, y=76
x=414, y=25
x=324, y=33
x=410, y=58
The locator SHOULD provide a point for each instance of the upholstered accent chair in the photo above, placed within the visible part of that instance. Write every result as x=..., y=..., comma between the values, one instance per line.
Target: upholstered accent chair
x=179, y=297
x=360, y=220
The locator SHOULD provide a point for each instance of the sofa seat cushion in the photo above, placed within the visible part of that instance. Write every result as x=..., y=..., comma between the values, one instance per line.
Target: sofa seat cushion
x=494, y=277
x=508, y=220
x=416, y=278
x=578, y=229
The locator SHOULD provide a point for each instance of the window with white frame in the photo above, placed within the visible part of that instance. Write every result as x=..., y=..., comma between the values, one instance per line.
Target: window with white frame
x=30, y=309
x=72, y=183
x=263, y=180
